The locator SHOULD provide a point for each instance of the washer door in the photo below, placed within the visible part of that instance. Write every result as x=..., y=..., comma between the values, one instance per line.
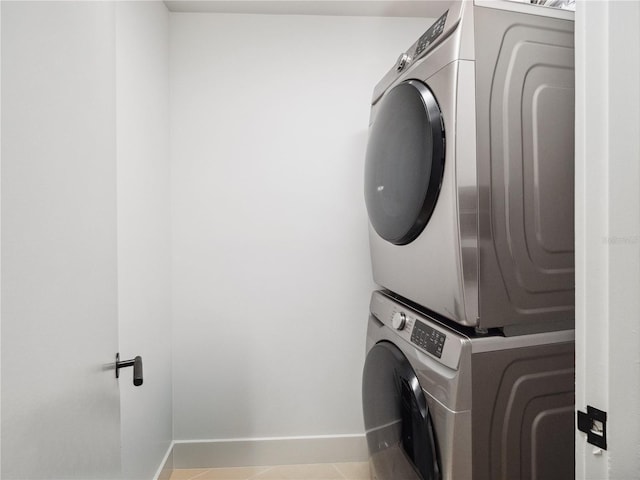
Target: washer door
x=404, y=162
x=400, y=436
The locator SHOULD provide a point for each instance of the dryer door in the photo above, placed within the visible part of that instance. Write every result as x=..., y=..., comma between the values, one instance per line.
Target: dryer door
x=400, y=436
x=404, y=162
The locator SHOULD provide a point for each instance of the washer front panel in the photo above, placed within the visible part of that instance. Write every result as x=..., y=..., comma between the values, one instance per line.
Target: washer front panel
x=397, y=419
x=424, y=333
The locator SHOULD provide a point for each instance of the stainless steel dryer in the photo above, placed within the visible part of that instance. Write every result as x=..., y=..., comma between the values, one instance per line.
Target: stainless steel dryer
x=469, y=168
x=440, y=404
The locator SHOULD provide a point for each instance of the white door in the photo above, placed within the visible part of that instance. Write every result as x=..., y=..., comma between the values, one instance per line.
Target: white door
x=608, y=235
x=60, y=400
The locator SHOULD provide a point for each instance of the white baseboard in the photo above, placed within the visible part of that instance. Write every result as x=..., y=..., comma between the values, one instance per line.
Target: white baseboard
x=166, y=466
x=245, y=452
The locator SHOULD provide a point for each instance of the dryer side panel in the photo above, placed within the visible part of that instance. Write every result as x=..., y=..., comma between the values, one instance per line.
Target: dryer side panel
x=523, y=413
x=525, y=127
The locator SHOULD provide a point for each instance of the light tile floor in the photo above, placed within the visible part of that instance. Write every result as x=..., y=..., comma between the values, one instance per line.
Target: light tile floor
x=320, y=471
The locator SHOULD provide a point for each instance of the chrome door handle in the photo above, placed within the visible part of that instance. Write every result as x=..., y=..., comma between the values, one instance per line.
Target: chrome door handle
x=136, y=363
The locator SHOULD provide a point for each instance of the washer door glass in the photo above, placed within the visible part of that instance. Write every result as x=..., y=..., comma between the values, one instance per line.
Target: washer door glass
x=404, y=162
x=400, y=436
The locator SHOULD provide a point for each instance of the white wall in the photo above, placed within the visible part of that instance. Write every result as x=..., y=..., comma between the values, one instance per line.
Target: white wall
x=271, y=273
x=608, y=233
x=144, y=306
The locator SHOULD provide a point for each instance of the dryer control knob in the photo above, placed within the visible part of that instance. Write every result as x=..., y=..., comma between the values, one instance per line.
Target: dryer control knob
x=402, y=62
x=399, y=321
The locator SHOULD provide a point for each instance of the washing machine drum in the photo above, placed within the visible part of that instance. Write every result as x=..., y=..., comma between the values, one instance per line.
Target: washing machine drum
x=404, y=162
x=400, y=435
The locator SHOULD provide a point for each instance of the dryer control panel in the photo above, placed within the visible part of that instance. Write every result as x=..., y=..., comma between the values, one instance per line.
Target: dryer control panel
x=435, y=35
x=425, y=41
x=422, y=331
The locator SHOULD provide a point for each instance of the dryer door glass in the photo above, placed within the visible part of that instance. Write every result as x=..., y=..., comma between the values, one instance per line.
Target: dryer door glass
x=400, y=436
x=404, y=162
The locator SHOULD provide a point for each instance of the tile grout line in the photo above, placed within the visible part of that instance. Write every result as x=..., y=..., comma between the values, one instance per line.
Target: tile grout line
x=198, y=474
x=339, y=471
x=254, y=476
x=261, y=470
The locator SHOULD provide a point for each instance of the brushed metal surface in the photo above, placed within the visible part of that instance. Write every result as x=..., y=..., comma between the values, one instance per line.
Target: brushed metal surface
x=506, y=412
x=524, y=73
x=498, y=249
x=523, y=413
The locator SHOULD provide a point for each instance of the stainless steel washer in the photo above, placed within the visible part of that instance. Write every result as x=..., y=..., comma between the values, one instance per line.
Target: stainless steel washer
x=444, y=404
x=469, y=168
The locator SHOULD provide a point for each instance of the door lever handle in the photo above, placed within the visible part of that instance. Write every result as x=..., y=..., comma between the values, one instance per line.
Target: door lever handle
x=136, y=363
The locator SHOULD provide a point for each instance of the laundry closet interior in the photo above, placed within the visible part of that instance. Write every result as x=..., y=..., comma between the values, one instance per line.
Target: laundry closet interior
x=195, y=184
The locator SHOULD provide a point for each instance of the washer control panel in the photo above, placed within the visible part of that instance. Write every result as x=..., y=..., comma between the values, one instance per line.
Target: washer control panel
x=423, y=332
x=428, y=338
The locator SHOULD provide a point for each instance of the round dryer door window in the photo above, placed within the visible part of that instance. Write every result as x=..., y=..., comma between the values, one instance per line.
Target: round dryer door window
x=404, y=162
x=400, y=436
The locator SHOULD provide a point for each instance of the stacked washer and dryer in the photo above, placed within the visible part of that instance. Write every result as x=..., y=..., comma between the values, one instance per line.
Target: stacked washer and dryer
x=469, y=373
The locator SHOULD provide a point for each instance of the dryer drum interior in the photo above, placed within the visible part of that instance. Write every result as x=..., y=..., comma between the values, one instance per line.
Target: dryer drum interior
x=404, y=162
x=400, y=435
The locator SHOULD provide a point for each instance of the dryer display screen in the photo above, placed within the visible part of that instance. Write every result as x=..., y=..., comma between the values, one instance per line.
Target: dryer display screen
x=428, y=338
x=430, y=35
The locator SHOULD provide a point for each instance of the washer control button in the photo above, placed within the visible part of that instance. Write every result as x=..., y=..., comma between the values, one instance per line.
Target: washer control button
x=399, y=321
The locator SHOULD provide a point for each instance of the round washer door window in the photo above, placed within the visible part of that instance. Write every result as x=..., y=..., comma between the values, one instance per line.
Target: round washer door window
x=404, y=162
x=400, y=436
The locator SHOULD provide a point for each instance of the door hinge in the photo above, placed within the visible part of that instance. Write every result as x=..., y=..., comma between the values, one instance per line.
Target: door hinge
x=594, y=424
